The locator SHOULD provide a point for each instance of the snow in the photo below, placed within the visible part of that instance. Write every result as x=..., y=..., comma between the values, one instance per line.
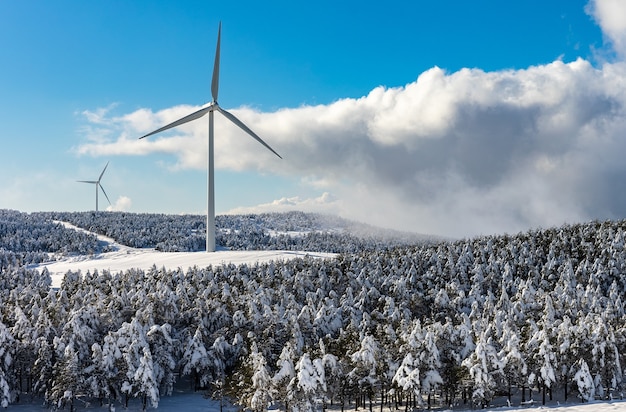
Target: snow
x=196, y=402
x=123, y=258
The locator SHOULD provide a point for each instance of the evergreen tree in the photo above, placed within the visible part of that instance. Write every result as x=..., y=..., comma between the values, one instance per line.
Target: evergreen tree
x=7, y=348
x=310, y=384
x=144, y=381
x=584, y=382
x=67, y=383
x=284, y=380
x=164, y=355
x=195, y=359
x=261, y=382
x=24, y=354
x=366, y=366
x=514, y=364
x=137, y=362
x=485, y=368
x=429, y=364
x=407, y=377
x=99, y=376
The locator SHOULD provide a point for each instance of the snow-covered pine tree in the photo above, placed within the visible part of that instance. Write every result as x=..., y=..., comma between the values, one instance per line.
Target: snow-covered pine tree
x=546, y=360
x=565, y=353
x=43, y=367
x=407, y=377
x=429, y=365
x=262, y=395
x=144, y=381
x=164, y=355
x=7, y=347
x=366, y=367
x=195, y=360
x=284, y=380
x=485, y=368
x=221, y=354
x=67, y=383
x=584, y=381
x=333, y=372
x=100, y=376
x=514, y=364
x=24, y=355
x=310, y=384
x=133, y=345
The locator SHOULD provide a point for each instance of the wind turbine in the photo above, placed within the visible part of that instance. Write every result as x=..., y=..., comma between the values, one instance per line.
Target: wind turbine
x=210, y=108
x=98, y=185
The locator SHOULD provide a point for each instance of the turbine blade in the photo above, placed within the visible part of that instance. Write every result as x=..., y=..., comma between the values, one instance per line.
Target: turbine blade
x=193, y=116
x=87, y=181
x=245, y=128
x=215, y=81
x=105, y=168
x=105, y=193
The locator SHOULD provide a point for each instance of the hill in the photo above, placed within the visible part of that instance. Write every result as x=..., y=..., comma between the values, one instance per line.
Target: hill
x=533, y=316
x=268, y=231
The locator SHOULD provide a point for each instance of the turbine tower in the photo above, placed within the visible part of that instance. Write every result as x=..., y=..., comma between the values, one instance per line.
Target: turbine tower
x=210, y=108
x=98, y=185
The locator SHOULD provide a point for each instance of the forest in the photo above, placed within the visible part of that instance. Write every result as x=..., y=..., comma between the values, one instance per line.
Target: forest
x=402, y=323
x=273, y=231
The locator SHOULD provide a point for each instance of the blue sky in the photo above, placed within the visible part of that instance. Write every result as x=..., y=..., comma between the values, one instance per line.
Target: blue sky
x=79, y=81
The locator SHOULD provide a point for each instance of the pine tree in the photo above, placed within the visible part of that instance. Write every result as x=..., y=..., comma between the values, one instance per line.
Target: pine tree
x=407, y=377
x=195, y=359
x=221, y=354
x=24, y=339
x=99, y=376
x=514, y=364
x=7, y=347
x=546, y=360
x=485, y=368
x=284, y=380
x=261, y=382
x=163, y=352
x=584, y=382
x=564, y=351
x=310, y=384
x=332, y=372
x=68, y=382
x=366, y=364
x=144, y=380
x=430, y=364
x=137, y=361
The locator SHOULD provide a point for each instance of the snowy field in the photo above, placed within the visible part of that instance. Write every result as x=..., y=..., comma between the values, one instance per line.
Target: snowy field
x=196, y=402
x=124, y=257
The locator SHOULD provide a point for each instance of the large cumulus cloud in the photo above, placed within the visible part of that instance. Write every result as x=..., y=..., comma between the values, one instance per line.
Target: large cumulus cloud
x=457, y=154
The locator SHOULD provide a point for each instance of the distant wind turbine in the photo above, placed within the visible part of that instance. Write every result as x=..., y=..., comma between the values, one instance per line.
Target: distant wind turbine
x=98, y=185
x=210, y=108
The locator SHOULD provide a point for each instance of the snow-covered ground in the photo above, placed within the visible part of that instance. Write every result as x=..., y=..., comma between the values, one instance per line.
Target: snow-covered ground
x=196, y=402
x=124, y=257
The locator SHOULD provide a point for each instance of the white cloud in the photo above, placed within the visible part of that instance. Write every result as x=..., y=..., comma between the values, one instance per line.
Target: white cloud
x=326, y=203
x=451, y=153
x=122, y=204
x=611, y=17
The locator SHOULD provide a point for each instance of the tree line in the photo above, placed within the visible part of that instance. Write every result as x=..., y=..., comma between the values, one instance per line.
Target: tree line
x=267, y=231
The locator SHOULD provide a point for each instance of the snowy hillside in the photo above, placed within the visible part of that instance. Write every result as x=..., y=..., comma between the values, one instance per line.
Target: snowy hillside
x=119, y=258
x=532, y=318
x=269, y=231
